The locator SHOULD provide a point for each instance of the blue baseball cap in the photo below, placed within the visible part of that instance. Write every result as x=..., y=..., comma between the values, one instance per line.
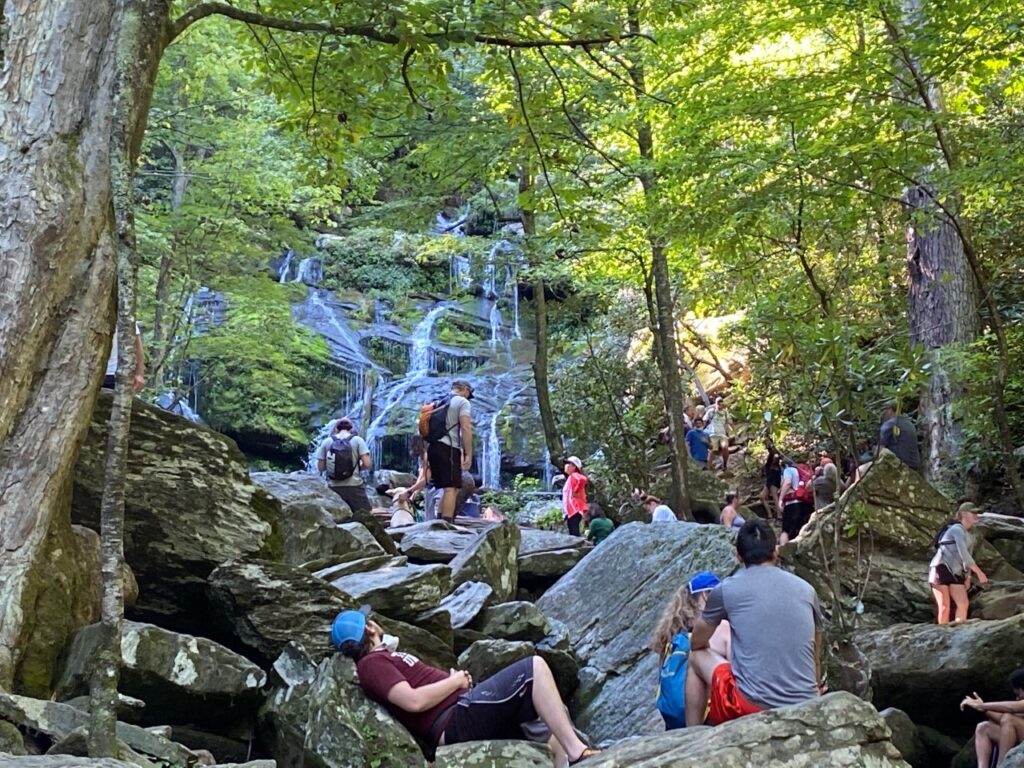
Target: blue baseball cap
x=702, y=582
x=349, y=625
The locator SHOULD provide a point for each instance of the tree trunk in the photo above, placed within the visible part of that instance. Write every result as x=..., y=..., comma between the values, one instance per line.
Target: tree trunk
x=552, y=437
x=666, y=345
x=57, y=259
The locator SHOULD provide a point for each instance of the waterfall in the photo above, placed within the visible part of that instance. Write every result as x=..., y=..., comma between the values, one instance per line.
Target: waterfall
x=378, y=311
x=548, y=469
x=495, y=319
x=311, y=271
x=490, y=464
x=459, y=277
x=343, y=335
x=421, y=357
x=513, y=278
x=282, y=275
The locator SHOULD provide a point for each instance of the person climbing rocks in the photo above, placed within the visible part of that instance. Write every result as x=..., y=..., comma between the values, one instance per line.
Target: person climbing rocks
x=672, y=644
x=776, y=637
x=441, y=707
x=110, y=374
x=899, y=435
x=452, y=454
x=342, y=456
x=574, y=494
x=659, y=511
x=950, y=569
x=698, y=442
x=770, y=498
x=795, y=511
x=1004, y=728
x=600, y=526
x=424, y=484
x=717, y=419
x=730, y=516
x=827, y=484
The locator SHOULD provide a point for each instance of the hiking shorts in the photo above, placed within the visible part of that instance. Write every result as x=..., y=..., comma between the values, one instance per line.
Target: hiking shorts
x=795, y=516
x=445, y=464
x=941, y=576
x=718, y=442
x=497, y=708
x=727, y=703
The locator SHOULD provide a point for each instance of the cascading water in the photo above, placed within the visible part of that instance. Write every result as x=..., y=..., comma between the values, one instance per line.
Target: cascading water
x=459, y=277
x=282, y=275
x=495, y=319
x=490, y=466
x=512, y=279
x=311, y=271
x=549, y=473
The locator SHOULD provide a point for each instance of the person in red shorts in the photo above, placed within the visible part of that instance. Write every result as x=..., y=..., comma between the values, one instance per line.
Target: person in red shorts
x=776, y=637
x=438, y=707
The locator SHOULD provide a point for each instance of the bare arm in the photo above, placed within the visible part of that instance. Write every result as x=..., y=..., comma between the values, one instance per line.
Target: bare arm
x=365, y=461
x=721, y=641
x=1010, y=707
x=466, y=425
x=321, y=465
x=140, y=365
x=410, y=699
x=701, y=635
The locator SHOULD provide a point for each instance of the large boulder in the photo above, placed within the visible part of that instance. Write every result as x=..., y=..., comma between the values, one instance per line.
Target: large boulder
x=435, y=541
x=317, y=715
x=494, y=754
x=486, y=657
x=546, y=556
x=189, y=506
x=1015, y=757
x=838, y=730
x=181, y=678
x=905, y=736
x=302, y=492
x=512, y=621
x=401, y=592
x=899, y=513
x=998, y=600
x=466, y=602
x=64, y=761
x=58, y=721
x=491, y=558
x=611, y=603
x=1006, y=534
x=927, y=669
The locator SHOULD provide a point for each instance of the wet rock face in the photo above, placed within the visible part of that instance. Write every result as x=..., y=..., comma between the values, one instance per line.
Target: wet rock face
x=182, y=679
x=838, y=730
x=317, y=715
x=189, y=506
x=926, y=669
x=611, y=603
x=903, y=513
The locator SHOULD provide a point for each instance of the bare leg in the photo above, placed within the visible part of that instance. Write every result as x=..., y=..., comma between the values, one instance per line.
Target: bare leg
x=560, y=759
x=958, y=594
x=1011, y=733
x=701, y=665
x=548, y=703
x=783, y=538
x=725, y=457
x=941, y=594
x=447, y=505
x=986, y=736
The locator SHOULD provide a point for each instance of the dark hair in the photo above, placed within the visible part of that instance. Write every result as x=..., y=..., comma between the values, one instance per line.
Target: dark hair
x=730, y=498
x=417, y=446
x=1017, y=679
x=596, y=511
x=788, y=462
x=647, y=499
x=344, y=423
x=356, y=649
x=755, y=542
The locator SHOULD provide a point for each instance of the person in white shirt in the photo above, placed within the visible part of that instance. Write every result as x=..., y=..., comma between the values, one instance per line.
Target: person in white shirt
x=110, y=376
x=659, y=512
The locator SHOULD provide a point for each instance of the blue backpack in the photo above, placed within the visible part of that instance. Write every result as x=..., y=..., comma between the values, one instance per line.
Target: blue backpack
x=672, y=682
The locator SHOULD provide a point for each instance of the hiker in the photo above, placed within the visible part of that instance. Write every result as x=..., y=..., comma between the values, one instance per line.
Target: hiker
x=899, y=435
x=826, y=484
x=717, y=419
x=796, y=511
x=600, y=526
x=698, y=442
x=110, y=375
x=672, y=644
x=658, y=510
x=342, y=455
x=949, y=572
x=730, y=517
x=424, y=484
x=775, y=627
x=770, y=499
x=471, y=506
x=574, y=494
x=1004, y=728
x=441, y=707
x=452, y=454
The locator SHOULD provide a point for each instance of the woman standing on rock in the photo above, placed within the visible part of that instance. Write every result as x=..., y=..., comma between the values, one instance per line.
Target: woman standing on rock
x=672, y=644
x=574, y=494
x=949, y=572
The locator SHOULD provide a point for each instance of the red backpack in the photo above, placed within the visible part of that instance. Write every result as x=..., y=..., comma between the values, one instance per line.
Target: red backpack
x=804, y=491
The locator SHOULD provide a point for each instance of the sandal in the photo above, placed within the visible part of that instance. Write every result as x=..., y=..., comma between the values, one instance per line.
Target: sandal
x=587, y=752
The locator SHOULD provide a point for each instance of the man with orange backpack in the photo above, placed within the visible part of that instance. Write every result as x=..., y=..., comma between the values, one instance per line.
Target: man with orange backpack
x=797, y=494
x=447, y=426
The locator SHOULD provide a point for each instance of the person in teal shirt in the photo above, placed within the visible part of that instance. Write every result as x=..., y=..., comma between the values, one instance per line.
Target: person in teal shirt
x=600, y=526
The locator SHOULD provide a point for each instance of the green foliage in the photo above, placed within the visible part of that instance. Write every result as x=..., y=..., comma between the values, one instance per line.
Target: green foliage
x=511, y=500
x=385, y=263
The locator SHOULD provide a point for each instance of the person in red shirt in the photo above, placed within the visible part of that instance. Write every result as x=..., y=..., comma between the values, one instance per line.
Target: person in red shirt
x=574, y=494
x=445, y=707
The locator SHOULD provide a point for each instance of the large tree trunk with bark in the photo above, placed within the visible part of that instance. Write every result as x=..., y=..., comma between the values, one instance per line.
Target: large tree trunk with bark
x=57, y=260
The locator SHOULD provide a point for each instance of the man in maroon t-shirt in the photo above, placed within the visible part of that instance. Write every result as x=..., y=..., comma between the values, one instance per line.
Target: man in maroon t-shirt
x=446, y=708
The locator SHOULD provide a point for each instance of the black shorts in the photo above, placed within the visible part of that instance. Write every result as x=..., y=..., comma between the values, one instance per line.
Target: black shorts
x=445, y=464
x=773, y=479
x=943, y=577
x=497, y=708
x=795, y=516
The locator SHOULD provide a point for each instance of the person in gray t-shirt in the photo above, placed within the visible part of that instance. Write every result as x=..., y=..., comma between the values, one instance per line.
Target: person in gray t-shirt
x=776, y=637
x=351, y=489
x=899, y=435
